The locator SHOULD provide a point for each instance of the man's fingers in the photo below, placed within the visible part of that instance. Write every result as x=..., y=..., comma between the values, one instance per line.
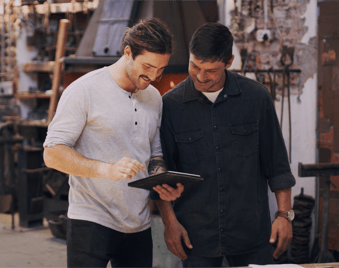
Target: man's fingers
x=180, y=187
x=282, y=246
x=273, y=236
x=175, y=192
x=124, y=177
x=128, y=171
x=278, y=251
x=187, y=240
x=137, y=164
x=180, y=251
x=126, y=161
x=167, y=192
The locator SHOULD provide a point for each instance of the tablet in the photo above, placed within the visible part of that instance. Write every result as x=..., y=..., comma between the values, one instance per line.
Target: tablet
x=169, y=177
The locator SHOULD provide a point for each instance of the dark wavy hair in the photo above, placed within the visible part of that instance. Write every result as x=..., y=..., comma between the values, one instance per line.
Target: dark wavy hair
x=151, y=35
x=212, y=41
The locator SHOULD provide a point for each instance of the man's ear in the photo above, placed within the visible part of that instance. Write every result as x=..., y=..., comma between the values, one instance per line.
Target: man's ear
x=228, y=65
x=127, y=51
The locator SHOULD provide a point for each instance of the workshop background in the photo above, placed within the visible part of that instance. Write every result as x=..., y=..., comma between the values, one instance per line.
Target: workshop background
x=290, y=46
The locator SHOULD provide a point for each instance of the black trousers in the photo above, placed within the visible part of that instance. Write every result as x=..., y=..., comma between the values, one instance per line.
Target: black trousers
x=93, y=245
x=262, y=256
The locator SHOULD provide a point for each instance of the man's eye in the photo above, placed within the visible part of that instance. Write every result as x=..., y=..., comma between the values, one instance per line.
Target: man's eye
x=211, y=71
x=147, y=67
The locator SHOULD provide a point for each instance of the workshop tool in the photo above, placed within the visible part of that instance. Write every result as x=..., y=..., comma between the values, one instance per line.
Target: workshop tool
x=60, y=52
x=236, y=8
x=302, y=223
x=250, y=8
x=260, y=77
x=272, y=84
x=3, y=32
x=7, y=178
x=46, y=17
x=286, y=61
x=9, y=75
x=325, y=170
x=271, y=4
x=244, y=56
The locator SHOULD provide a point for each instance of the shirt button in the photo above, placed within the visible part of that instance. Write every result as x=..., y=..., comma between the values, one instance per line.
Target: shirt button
x=221, y=230
x=129, y=96
x=136, y=123
x=220, y=169
x=217, y=147
x=215, y=126
x=135, y=109
x=245, y=131
x=221, y=210
x=189, y=139
x=225, y=96
x=221, y=189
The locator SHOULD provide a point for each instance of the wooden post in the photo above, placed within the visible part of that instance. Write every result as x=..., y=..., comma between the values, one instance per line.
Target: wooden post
x=59, y=53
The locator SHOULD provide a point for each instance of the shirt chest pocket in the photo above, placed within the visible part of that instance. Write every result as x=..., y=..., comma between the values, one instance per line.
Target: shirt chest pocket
x=190, y=146
x=245, y=138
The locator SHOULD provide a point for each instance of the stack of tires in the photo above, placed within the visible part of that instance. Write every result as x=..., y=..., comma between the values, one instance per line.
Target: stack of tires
x=302, y=223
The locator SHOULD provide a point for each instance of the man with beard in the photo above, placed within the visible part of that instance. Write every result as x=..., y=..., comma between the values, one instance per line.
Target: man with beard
x=105, y=133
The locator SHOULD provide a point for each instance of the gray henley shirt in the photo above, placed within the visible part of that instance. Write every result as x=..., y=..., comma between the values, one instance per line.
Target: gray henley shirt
x=104, y=122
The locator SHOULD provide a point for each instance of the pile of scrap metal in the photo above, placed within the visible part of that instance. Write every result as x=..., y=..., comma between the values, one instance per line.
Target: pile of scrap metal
x=302, y=206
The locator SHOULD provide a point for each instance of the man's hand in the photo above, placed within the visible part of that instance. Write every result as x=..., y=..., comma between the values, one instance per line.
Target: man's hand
x=173, y=234
x=125, y=168
x=169, y=193
x=282, y=229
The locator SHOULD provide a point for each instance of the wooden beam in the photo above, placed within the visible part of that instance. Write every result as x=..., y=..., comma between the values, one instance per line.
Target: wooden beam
x=60, y=52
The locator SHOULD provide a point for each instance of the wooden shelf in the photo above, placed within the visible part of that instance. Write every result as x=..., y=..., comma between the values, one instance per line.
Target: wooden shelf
x=61, y=7
x=38, y=66
x=30, y=95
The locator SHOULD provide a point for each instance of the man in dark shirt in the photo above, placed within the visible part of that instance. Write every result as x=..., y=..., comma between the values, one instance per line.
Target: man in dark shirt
x=224, y=127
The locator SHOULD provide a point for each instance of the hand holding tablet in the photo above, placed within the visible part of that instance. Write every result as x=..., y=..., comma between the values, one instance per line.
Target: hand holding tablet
x=169, y=177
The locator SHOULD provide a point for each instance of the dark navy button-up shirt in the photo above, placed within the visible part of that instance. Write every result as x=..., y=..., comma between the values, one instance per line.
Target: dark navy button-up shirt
x=236, y=145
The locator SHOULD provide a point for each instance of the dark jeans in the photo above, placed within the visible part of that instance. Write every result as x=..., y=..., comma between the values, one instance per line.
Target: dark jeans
x=93, y=245
x=262, y=256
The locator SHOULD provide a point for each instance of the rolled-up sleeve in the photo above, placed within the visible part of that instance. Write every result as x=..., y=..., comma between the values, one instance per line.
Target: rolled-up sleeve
x=69, y=120
x=273, y=154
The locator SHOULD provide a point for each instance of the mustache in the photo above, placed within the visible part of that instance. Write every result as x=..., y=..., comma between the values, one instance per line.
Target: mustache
x=204, y=82
x=145, y=76
x=158, y=78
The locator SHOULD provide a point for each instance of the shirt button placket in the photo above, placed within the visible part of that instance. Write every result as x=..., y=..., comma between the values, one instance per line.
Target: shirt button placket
x=220, y=176
x=135, y=109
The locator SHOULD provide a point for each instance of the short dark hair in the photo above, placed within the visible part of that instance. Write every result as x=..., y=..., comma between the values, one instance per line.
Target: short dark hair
x=212, y=41
x=151, y=35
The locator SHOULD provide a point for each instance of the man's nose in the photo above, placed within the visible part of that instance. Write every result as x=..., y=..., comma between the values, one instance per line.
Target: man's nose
x=201, y=76
x=153, y=75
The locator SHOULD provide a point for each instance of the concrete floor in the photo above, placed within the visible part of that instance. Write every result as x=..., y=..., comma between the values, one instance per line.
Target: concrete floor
x=37, y=247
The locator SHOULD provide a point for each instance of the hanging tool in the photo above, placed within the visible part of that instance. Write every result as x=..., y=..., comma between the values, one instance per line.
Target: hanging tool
x=9, y=30
x=250, y=8
x=272, y=83
x=260, y=77
x=46, y=17
x=236, y=8
x=286, y=61
x=326, y=170
x=244, y=56
x=3, y=71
